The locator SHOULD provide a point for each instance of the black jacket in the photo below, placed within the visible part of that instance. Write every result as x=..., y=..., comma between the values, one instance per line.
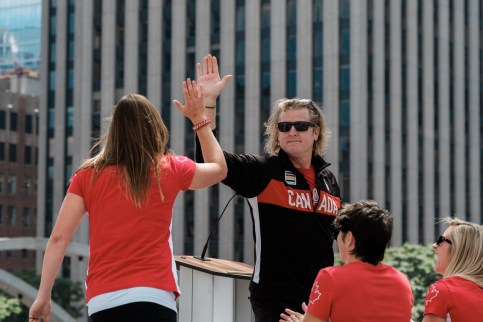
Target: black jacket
x=293, y=238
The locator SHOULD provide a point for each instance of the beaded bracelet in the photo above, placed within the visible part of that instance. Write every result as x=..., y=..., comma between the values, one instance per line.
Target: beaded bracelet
x=199, y=125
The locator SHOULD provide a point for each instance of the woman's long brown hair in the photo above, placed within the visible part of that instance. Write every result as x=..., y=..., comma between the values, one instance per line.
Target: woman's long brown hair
x=135, y=141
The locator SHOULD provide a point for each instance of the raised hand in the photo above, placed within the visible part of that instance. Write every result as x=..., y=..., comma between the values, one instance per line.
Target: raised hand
x=209, y=77
x=194, y=107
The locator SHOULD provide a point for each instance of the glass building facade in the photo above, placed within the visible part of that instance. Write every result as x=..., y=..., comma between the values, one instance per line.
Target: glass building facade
x=20, y=27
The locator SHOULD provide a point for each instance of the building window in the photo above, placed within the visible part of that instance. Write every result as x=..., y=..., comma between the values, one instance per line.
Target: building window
x=13, y=121
x=12, y=216
x=28, y=124
x=28, y=155
x=1, y=182
x=27, y=186
x=1, y=214
x=3, y=117
x=26, y=217
x=2, y=151
x=12, y=185
x=12, y=152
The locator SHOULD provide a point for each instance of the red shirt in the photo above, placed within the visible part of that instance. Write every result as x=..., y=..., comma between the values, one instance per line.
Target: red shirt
x=361, y=292
x=455, y=298
x=131, y=246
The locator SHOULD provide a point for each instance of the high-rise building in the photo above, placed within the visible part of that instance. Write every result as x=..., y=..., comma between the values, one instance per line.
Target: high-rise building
x=20, y=22
x=400, y=81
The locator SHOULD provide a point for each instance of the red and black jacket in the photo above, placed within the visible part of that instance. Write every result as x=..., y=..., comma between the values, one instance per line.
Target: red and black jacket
x=293, y=237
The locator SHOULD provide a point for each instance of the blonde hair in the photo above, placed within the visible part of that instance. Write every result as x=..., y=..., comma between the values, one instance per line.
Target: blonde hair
x=272, y=146
x=136, y=142
x=466, y=251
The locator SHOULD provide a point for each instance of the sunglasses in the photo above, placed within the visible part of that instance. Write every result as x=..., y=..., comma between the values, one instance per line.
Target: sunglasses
x=441, y=239
x=300, y=126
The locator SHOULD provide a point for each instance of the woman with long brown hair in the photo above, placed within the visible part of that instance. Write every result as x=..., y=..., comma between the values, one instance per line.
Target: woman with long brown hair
x=128, y=190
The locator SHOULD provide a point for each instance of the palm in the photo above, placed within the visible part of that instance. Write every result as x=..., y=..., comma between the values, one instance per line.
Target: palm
x=209, y=77
x=212, y=84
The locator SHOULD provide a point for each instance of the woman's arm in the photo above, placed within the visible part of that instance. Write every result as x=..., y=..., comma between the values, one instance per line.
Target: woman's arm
x=70, y=215
x=214, y=169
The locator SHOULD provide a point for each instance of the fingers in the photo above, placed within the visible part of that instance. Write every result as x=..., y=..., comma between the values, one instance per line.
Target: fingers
x=214, y=63
x=226, y=79
x=178, y=105
x=291, y=316
x=205, y=63
x=198, y=70
x=192, y=88
x=304, y=307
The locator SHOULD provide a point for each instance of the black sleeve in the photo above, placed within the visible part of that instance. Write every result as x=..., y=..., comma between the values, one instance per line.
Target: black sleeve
x=334, y=186
x=247, y=174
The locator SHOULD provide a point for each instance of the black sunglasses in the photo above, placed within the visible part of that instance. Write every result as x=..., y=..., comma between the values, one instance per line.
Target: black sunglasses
x=441, y=239
x=300, y=126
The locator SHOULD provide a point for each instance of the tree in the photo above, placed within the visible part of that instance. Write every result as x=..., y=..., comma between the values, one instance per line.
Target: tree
x=65, y=292
x=417, y=263
x=9, y=307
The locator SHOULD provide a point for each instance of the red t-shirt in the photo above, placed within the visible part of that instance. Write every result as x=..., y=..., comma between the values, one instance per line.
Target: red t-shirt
x=361, y=292
x=129, y=246
x=455, y=298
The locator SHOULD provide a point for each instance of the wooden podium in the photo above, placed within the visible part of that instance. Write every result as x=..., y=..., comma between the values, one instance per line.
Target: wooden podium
x=214, y=290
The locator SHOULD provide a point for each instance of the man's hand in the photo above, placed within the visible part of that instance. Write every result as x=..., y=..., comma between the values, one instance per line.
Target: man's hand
x=209, y=77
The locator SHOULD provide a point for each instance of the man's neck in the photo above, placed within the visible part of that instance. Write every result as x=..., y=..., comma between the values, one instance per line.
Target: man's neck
x=301, y=162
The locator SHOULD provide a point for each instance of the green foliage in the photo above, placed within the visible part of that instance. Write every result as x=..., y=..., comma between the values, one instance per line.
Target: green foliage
x=417, y=263
x=65, y=292
x=9, y=307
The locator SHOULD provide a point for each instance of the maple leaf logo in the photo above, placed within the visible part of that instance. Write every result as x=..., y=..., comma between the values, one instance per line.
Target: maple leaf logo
x=315, y=292
x=433, y=292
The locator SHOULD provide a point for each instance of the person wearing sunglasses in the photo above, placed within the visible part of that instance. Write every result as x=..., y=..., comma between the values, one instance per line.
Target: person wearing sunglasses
x=458, y=296
x=293, y=198
x=364, y=289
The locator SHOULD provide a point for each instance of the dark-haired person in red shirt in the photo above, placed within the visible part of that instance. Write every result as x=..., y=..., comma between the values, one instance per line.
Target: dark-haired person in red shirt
x=364, y=289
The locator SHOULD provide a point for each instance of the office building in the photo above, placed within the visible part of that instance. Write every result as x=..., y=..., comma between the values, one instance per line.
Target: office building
x=18, y=167
x=400, y=81
x=19, y=35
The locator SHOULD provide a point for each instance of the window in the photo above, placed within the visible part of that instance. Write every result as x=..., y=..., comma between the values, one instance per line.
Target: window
x=28, y=155
x=12, y=152
x=26, y=217
x=28, y=124
x=12, y=185
x=12, y=216
x=1, y=214
x=3, y=117
x=27, y=186
x=2, y=151
x=13, y=121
